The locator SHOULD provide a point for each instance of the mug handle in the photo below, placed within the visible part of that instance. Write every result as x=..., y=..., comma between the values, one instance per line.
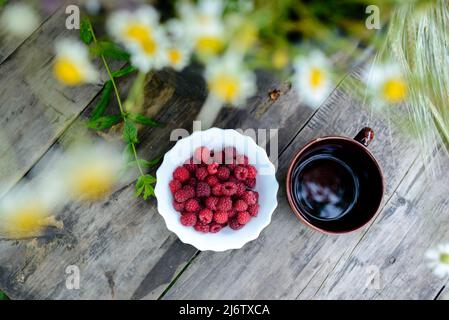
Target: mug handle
x=365, y=136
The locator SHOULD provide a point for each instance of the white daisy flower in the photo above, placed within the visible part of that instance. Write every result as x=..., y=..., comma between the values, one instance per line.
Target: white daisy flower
x=386, y=83
x=438, y=260
x=312, y=78
x=139, y=31
x=90, y=172
x=229, y=81
x=27, y=210
x=72, y=66
x=19, y=19
x=179, y=51
x=204, y=25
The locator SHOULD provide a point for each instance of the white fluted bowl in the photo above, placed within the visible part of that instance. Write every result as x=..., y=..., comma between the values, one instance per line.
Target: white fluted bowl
x=267, y=186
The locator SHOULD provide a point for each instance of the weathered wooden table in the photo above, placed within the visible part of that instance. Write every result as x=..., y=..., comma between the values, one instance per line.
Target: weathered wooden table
x=121, y=245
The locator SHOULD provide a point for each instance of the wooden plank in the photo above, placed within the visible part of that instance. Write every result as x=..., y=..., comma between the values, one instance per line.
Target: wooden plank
x=121, y=245
x=9, y=43
x=288, y=257
x=35, y=108
x=389, y=261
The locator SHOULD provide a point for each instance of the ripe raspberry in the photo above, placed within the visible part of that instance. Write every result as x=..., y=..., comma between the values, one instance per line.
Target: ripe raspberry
x=250, y=183
x=243, y=217
x=240, y=205
x=211, y=203
x=189, y=165
x=184, y=194
x=216, y=190
x=205, y=216
x=241, y=188
x=202, y=189
x=232, y=213
x=253, y=210
x=212, y=168
x=188, y=219
x=192, y=182
x=229, y=189
x=174, y=186
x=214, y=228
x=241, y=173
x=234, y=225
x=192, y=205
x=252, y=172
x=249, y=197
x=201, y=227
x=223, y=173
x=241, y=159
x=224, y=204
x=201, y=173
x=211, y=180
x=181, y=174
x=221, y=217
x=202, y=154
x=179, y=206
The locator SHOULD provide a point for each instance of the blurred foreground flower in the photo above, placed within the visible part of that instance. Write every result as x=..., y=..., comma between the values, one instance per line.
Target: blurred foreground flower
x=312, y=78
x=204, y=26
x=72, y=65
x=386, y=84
x=91, y=172
x=140, y=32
x=439, y=260
x=229, y=82
x=26, y=212
x=19, y=19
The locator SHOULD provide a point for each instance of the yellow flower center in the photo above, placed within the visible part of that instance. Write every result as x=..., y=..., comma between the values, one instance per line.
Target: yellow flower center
x=28, y=219
x=226, y=87
x=444, y=258
x=209, y=45
x=174, y=56
x=142, y=35
x=93, y=183
x=67, y=72
x=394, y=90
x=316, y=78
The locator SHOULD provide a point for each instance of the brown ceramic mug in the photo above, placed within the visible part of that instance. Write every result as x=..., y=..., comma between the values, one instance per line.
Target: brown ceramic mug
x=334, y=184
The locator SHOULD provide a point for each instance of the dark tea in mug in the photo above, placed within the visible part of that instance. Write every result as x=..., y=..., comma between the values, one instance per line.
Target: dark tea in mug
x=325, y=187
x=334, y=184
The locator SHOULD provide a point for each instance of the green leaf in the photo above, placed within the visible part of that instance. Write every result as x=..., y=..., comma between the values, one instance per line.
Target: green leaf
x=2, y=295
x=85, y=31
x=128, y=153
x=123, y=72
x=100, y=108
x=2, y=3
x=104, y=122
x=141, y=119
x=148, y=191
x=130, y=132
x=144, y=186
x=110, y=50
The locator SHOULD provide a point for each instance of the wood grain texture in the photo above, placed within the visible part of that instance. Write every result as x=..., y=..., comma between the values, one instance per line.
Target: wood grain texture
x=121, y=245
x=9, y=43
x=288, y=259
x=388, y=262
x=35, y=108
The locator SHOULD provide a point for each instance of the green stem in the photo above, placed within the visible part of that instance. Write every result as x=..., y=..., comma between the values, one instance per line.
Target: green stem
x=117, y=95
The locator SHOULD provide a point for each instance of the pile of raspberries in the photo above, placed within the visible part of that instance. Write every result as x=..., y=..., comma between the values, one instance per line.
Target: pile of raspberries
x=215, y=189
